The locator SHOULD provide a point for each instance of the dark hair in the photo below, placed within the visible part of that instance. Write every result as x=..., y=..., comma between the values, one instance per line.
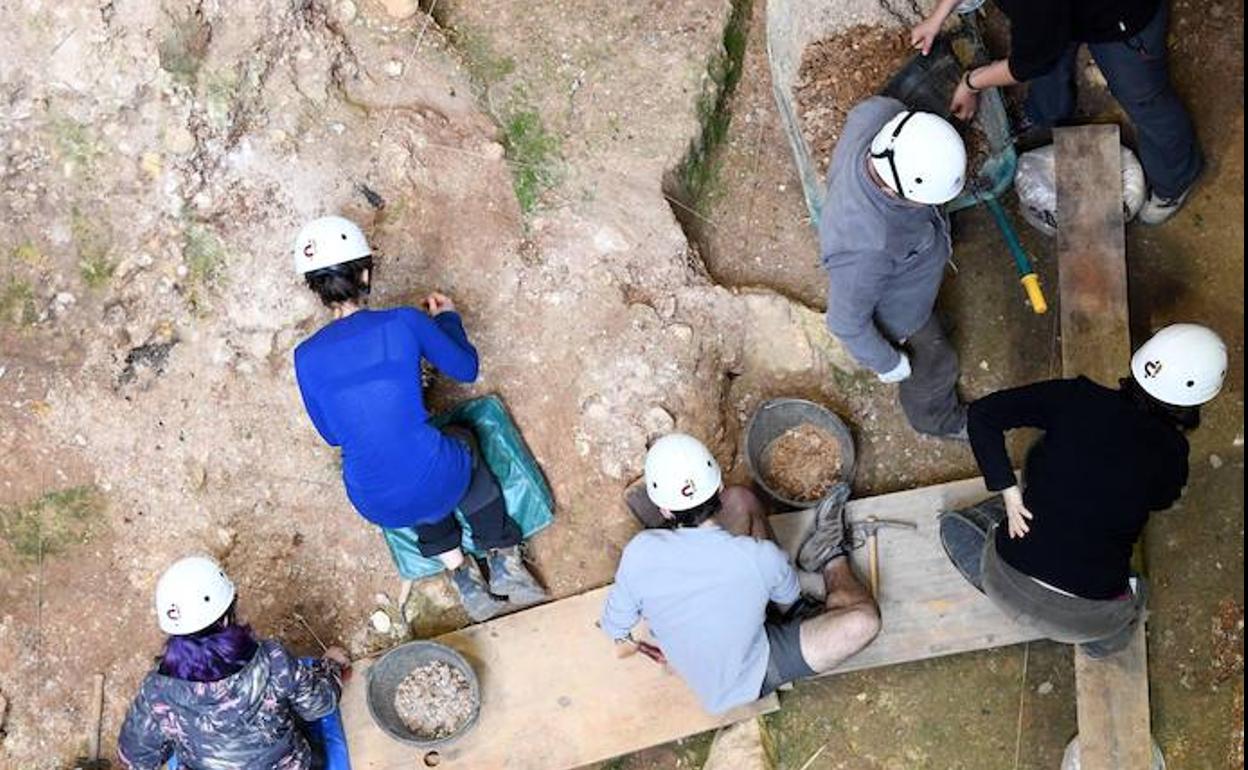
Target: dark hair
x=214, y=653
x=341, y=283
x=1182, y=417
x=693, y=517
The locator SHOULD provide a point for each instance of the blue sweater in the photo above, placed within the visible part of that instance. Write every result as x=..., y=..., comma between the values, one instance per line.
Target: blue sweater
x=360, y=381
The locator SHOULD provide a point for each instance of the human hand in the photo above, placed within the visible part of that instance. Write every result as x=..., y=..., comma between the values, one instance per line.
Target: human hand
x=965, y=102
x=341, y=657
x=923, y=34
x=1016, y=513
x=899, y=372
x=437, y=304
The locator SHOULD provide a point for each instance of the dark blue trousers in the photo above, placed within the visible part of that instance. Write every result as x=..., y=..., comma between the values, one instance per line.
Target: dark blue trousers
x=1139, y=78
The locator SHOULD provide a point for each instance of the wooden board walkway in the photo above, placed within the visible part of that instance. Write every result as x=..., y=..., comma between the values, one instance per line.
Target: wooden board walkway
x=556, y=696
x=1113, y=705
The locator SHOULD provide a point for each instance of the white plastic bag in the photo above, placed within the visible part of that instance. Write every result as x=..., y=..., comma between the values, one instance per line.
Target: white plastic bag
x=1036, y=182
x=1070, y=758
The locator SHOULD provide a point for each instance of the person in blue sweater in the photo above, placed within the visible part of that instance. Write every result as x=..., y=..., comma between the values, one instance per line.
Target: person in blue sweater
x=360, y=379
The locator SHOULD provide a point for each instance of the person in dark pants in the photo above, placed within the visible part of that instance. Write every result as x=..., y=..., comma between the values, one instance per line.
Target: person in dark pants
x=1058, y=559
x=885, y=242
x=360, y=379
x=1127, y=38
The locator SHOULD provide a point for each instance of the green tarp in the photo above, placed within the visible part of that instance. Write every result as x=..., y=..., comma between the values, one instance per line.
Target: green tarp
x=528, y=496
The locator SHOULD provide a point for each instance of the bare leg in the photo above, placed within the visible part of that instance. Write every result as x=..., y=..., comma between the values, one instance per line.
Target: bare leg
x=850, y=622
x=743, y=514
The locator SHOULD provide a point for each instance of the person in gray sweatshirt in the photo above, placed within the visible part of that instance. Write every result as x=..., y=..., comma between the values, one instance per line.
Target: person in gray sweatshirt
x=884, y=241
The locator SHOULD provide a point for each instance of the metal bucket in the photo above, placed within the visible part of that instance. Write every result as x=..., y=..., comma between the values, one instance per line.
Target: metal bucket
x=387, y=673
x=776, y=416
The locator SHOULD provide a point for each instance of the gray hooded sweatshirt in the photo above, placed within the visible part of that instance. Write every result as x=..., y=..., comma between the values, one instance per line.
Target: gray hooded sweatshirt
x=885, y=257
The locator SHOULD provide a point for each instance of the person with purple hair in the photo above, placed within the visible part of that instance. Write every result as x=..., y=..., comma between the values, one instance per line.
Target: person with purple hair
x=220, y=698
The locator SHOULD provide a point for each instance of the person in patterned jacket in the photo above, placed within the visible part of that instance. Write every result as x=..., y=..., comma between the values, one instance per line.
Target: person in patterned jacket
x=219, y=698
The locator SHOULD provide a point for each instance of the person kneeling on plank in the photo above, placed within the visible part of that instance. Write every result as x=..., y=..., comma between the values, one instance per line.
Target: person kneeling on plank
x=1062, y=561
x=884, y=242
x=360, y=378
x=220, y=697
x=703, y=586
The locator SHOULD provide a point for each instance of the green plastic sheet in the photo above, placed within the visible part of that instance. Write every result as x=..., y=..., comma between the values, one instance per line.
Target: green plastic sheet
x=528, y=496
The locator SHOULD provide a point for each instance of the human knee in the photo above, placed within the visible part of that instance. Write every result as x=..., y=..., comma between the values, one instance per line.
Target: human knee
x=865, y=624
x=738, y=500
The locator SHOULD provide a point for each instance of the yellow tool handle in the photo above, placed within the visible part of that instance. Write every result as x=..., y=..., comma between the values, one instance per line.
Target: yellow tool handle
x=1035, y=295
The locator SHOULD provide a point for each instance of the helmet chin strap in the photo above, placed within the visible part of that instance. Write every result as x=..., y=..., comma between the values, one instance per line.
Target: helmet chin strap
x=891, y=156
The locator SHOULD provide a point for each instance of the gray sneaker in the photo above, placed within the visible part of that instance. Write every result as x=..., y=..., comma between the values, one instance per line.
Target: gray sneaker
x=509, y=577
x=474, y=594
x=827, y=536
x=1157, y=209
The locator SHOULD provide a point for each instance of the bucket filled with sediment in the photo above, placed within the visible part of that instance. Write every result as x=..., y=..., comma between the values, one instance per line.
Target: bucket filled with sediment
x=797, y=450
x=424, y=693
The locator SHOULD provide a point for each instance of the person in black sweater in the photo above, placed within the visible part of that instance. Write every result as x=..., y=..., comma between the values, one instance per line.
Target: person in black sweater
x=1127, y=38
x=1059, y=556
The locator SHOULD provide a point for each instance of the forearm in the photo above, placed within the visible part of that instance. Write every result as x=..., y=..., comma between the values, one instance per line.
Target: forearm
x=994, y=75
x=988, y=444
x=619, y=614
x=942, y=11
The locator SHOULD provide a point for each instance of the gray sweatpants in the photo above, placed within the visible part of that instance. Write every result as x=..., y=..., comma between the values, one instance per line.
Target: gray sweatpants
x=1108, y=623
x=929, y=397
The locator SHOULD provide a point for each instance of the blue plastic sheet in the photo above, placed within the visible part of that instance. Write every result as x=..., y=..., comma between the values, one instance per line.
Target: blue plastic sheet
x=528, y=497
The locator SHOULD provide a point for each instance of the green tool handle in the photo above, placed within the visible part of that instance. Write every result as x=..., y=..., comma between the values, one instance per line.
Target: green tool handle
x=1021, y=261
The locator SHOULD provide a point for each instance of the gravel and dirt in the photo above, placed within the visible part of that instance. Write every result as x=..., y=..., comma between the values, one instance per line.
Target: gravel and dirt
x=839, y=72
x=434, y=701
x=802, y=463
x=155, y=160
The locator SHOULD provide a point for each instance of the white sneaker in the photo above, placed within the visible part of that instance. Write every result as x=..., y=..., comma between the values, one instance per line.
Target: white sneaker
x=1158, y=209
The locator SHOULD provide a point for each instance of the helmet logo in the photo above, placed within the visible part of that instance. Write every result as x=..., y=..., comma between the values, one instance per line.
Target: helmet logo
x=1152, y=368
x=689, y=489
x=309, y=249
x=173, y=613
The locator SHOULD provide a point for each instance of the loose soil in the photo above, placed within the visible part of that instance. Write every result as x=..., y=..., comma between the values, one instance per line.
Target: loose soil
x=840, y=71
x=837, y=73
x=434, y=700
x=802, y=463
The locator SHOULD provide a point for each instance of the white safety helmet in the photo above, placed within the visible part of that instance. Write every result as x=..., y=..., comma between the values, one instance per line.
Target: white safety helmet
x=1183, y=365
x=192, y=594
x=921, y=157
x=680, y=472
x=328, y=241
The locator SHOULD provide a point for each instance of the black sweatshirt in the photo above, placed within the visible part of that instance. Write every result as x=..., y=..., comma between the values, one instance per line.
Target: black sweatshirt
x=1102, y=465
x=1041, y=30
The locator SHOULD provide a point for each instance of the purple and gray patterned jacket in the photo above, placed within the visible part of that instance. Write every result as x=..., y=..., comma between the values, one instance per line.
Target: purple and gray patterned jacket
x=246, y=720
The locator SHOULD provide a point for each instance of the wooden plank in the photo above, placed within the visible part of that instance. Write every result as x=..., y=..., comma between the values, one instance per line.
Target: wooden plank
x=1091, y=248
x=1113, y=701
x=927, y=608
x=1113, y=733
x=554, y=696
x=551, y=682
